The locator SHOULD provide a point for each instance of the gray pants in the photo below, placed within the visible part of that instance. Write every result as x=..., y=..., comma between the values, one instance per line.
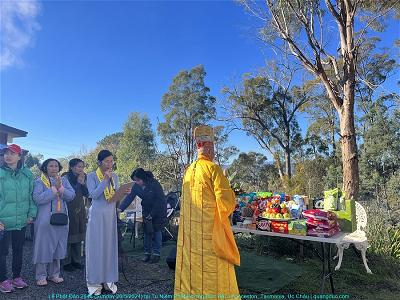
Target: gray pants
x=50, y=270
x=73, y=254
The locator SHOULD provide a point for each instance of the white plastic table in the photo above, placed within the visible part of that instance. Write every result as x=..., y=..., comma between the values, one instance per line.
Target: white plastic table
x=326, y=250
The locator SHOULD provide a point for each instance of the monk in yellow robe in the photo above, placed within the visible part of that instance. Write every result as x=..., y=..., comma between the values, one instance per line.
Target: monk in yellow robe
x=206, y=248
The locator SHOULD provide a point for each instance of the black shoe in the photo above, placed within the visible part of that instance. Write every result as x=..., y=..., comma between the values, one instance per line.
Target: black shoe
x=77, y=266
x=155, y=259
x=69, y=268
x=146, y=258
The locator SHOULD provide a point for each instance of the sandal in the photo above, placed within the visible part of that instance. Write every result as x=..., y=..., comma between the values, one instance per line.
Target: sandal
x=98, y=292
x=41, y=282
x=56, y=279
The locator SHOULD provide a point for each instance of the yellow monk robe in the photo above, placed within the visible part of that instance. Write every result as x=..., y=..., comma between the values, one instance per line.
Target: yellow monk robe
x=206, y=249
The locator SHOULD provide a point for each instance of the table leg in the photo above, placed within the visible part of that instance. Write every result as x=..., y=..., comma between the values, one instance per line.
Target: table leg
x=130, y=226
x=134, y=229
x=326, y=266
x=329, y=268
x=323, y=267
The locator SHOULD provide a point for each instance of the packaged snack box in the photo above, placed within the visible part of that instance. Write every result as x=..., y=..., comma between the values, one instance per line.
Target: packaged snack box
x=264, y=195
x=319, y=214
x=298, y=227
x=324, y=233
x=263, y=224
x=279, y=227
x=331, y=199
x=321, y=224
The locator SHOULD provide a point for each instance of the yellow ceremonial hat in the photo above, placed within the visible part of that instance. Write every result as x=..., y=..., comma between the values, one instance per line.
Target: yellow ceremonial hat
x=203, y=133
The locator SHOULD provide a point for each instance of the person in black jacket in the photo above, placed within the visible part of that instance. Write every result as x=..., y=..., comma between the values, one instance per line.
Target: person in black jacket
x=154, y=208
x=76, y=214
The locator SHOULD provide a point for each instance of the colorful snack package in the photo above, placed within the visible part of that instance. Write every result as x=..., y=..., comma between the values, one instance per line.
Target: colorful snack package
x=264, y=195
x=342, y=202
x=324, y=224
x=279, y=227
x=298, y=227
x=331, y=199
x=263, y=224
x=319, y=214
x=325, y=233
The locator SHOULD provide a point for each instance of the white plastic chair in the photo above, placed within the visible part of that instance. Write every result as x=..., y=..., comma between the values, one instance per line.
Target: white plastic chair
x=358, y=238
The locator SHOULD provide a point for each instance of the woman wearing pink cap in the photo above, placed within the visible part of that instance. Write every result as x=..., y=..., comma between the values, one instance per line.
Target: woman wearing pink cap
x=17, y=209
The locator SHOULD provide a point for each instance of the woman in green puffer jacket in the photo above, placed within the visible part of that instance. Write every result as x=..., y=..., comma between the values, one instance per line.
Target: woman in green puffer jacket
x=17, y=210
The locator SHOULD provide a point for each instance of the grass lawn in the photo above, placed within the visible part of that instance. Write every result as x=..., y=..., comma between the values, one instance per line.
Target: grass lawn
x=280, y=270
x=352, y=278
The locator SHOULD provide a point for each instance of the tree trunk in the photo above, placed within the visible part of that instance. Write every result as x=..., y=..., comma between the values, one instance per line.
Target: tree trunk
x=333, y=141
x=288, y=164
x=349, y=144
x=279, y=166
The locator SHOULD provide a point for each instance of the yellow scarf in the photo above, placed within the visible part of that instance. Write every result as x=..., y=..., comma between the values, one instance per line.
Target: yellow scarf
x=45, y=180
x=47, y=183
x=109, y=190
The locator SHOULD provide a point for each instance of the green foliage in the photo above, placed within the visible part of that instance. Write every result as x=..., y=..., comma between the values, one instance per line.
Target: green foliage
x=394, y=237
x=187, y=104
x=166, y=169
x=268, y=113
x=377, y=227
x=137, y=146
x=309, y=177
x=110, y=142
x=32, y=160
x=384, y=238
x=35, y=171
x=253, y=172
x=321, y=134
x=392, y=190
x=223, y=151
x=380, y=160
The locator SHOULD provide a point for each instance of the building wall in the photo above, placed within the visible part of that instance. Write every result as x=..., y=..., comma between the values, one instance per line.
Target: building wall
x=3, y=138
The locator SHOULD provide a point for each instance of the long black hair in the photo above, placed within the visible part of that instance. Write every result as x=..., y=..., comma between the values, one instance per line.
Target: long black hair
x=146, y=176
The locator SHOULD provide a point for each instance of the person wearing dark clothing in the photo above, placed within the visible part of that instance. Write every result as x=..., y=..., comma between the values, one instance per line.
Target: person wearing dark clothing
x=76, y=214
x=154, y=208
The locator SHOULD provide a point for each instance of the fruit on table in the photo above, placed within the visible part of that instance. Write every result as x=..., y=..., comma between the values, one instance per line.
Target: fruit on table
x=284, y=210
x=279, y=216
x=272, y=216
x=276, y=210
x=286, y=216
x=283, y=205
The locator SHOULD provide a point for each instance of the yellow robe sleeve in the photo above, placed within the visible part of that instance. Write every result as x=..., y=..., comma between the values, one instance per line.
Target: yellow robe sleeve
x=223, y=241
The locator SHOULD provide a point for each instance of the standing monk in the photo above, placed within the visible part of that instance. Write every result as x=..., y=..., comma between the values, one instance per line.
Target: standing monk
x=206, y=249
